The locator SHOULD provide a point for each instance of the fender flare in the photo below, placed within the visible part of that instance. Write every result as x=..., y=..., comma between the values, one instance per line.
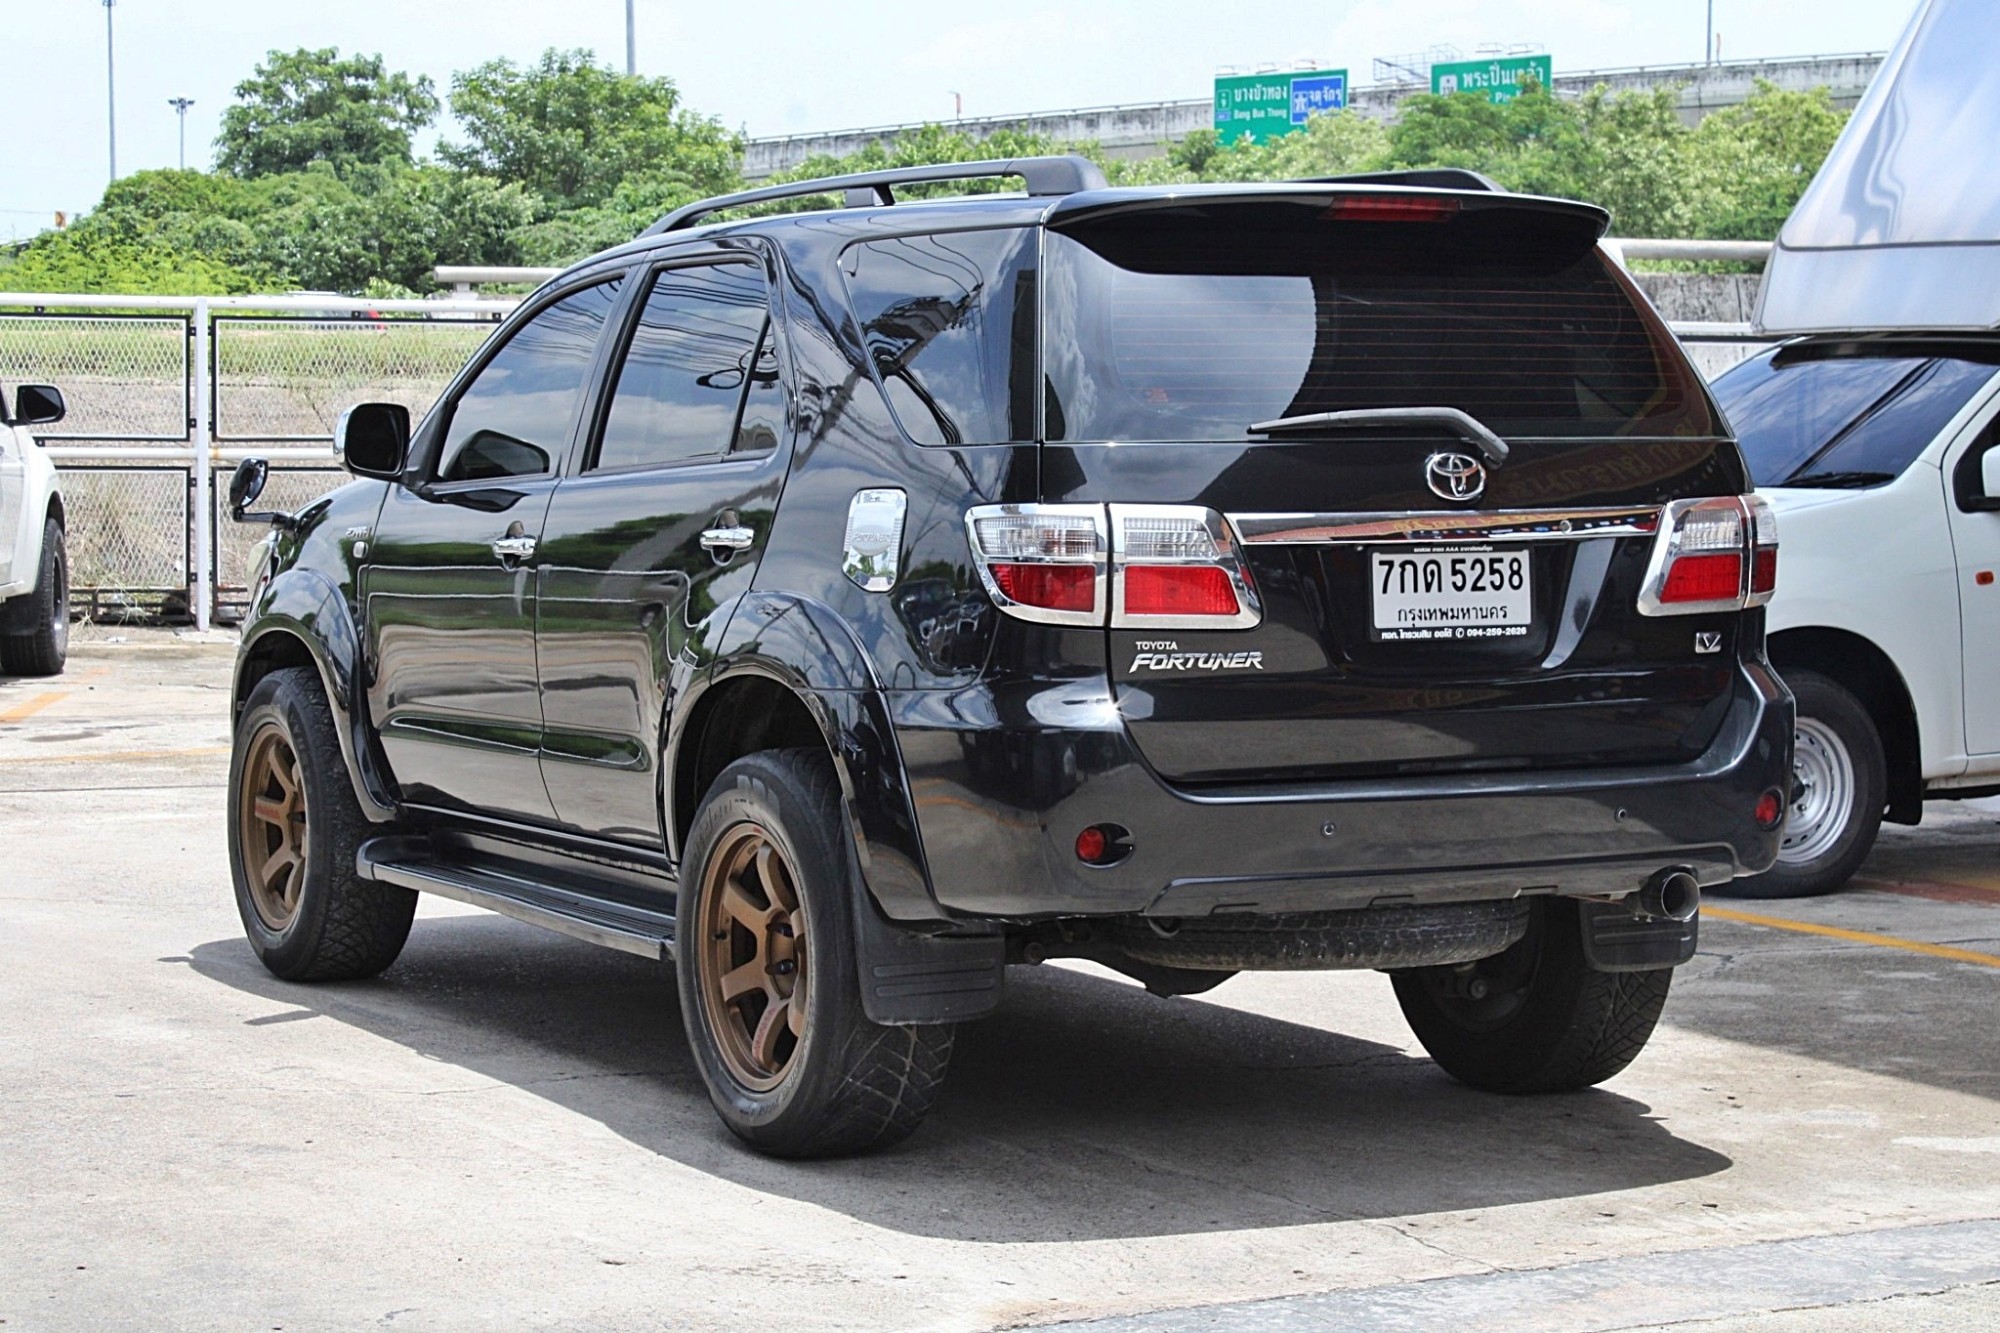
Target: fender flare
x=306, y=606
x=808, y=649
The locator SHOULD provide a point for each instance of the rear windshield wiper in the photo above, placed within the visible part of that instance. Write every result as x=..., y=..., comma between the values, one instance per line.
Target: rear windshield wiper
x=1839, y=481
x=1462, y=424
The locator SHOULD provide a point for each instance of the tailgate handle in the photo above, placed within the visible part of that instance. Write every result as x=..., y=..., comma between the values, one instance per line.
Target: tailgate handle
x=1462, y=424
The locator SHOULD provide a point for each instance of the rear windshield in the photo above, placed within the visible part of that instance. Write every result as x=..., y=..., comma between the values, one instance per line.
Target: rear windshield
x=1196, y=322
x=1815, y=420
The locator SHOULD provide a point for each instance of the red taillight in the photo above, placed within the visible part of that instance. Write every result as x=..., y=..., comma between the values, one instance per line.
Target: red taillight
x=1392, y=208
x=1049, y=587
x=1703, y=578
x=1764, y=570
x=1179, y=590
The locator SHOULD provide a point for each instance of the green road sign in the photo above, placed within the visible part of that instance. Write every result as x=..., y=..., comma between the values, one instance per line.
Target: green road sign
x=1262, y=107
x=1499, y=78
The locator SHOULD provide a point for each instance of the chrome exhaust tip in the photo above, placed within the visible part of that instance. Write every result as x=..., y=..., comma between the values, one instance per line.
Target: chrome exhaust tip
x=1673, y=894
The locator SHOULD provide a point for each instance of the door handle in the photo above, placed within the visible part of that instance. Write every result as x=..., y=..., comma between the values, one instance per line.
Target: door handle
x=728, y=539
x=513, y=548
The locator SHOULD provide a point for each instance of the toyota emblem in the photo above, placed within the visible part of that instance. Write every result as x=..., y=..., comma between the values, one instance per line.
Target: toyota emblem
x=1459, y=477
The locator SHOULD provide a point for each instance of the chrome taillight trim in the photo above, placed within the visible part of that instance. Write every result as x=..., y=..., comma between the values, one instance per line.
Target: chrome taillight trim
x=1763, y=526
x=1100, y=561
x=1665, y=552
x=1514, y=525
x=1228, y=558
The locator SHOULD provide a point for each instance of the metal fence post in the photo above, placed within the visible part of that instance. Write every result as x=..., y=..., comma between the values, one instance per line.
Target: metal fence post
x=204, y=455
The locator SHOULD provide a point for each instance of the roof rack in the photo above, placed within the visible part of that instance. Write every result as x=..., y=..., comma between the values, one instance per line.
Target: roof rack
x=1426, y=178
x=1045, y=177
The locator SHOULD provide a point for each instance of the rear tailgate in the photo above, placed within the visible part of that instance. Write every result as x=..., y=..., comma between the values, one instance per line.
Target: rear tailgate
x=1427, y=605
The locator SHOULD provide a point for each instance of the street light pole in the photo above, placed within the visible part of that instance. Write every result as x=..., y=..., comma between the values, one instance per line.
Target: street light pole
x=181, y=105
x=1708, y=54
x=111, y=88
x=632, y=41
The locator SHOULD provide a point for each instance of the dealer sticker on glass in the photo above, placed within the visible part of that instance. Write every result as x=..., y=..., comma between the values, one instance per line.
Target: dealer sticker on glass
x=1451, y=592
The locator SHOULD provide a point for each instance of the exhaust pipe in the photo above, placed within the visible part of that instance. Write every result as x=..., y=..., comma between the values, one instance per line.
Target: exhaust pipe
x=1673, y=894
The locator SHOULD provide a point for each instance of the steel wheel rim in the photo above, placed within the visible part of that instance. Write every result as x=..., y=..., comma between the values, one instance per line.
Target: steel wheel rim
x=271, y=817
x=753, y=955
x=1823, y=783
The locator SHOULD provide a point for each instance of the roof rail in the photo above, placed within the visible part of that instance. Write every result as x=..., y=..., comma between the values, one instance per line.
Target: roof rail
x=1426, y=178
x=1046, y=177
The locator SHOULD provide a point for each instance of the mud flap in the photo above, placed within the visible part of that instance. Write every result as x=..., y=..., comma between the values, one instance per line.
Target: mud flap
x=1616, y=941
x=912, y=979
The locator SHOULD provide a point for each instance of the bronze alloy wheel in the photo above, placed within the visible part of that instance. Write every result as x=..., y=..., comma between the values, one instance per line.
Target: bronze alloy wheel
x=753, y=967
x=271, y=815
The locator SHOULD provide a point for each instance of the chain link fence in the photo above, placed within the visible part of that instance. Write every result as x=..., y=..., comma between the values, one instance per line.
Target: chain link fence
x=290, y=379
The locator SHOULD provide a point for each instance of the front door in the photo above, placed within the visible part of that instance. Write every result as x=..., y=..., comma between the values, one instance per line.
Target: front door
x=448, y=583
x=649, y=541
x=1975, y=538
x=13, y=486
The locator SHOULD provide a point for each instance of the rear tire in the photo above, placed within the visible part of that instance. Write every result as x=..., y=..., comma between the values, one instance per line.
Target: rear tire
x=1840, y=784
x=43, y=649
x=766, y=966
x=294, y=825
x=1537, y=1018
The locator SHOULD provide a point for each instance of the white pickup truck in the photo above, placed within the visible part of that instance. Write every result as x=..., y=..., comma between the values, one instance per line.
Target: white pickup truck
x=1881, y=454
x=34, y=560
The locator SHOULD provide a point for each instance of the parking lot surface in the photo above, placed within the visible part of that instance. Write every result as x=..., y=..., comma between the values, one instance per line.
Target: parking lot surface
x=506, y=1127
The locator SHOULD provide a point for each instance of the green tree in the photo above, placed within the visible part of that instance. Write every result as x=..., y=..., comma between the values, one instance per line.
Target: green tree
x=305, y=107
x=1752, y=161
x=572, y=131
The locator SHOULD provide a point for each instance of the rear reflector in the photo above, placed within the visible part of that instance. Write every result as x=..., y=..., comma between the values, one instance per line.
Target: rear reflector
x=1179, y=590
x=1049, y=587
x=1392, y=208
x=1703, y=578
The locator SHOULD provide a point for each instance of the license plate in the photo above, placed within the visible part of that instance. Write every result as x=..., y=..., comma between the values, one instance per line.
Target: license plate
x=1451, y=592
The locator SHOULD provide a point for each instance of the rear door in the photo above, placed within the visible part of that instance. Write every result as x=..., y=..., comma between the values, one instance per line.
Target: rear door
x=649, y=541
x=1427, y=606
x=449, y=582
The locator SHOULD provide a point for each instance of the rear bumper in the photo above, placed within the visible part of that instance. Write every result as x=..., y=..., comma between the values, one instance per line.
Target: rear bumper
x=1004, y=780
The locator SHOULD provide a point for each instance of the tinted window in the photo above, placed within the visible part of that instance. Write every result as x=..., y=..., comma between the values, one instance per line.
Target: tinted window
x=1194, y=323
x=683, y=377
x=1841, y=420
x=949, y=325
x=515, y=418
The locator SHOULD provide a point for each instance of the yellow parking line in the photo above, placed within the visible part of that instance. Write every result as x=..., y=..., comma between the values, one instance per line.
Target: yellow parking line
x=1853, y=936
x=22, y=711
x=113, y=756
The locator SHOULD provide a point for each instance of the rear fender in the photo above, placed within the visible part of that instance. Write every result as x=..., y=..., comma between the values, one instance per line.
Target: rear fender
x=809, y=649
x=303, y=609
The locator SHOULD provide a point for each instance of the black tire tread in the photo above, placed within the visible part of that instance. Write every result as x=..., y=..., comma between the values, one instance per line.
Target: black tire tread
x=37, y=651
x=365, y=923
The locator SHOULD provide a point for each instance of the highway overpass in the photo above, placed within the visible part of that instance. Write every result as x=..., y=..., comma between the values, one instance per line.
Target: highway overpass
x=1144, y=129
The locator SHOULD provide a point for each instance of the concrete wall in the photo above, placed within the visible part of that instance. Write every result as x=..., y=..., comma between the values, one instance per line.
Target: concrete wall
x=1144, y=129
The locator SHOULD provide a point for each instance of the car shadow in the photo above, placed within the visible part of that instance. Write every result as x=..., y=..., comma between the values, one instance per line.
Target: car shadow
x=1084, y=1109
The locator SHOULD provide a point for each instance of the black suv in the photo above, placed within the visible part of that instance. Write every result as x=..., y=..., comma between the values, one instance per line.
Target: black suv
x=849, y=603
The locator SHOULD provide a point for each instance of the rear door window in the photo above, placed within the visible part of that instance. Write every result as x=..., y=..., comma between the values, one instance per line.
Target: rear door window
x=702, y=347
x=1194, y=323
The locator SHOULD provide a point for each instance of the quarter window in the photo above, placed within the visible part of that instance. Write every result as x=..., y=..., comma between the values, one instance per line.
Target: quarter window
x=700, y=357
x=515, y=418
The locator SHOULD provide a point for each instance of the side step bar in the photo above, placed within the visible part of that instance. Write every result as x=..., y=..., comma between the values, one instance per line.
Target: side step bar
x=404, y=861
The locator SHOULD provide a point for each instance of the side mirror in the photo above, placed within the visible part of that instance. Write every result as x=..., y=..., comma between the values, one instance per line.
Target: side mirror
x=245, y=485
x=38, y=405
x=373, y=440
x=1975, y=482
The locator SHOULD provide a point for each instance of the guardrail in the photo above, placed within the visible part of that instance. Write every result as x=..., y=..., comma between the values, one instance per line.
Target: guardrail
x=165, y=391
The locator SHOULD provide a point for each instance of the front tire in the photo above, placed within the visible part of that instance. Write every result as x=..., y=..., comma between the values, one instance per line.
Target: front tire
x=1536, y=1018
x=767, y=971
x=1840, y=783
x=42, y=649
x=294, y=825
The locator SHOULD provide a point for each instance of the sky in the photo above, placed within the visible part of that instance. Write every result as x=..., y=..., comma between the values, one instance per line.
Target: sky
x=789, y=67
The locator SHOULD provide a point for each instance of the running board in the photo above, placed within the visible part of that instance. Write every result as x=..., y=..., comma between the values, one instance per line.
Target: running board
x=402, y=861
